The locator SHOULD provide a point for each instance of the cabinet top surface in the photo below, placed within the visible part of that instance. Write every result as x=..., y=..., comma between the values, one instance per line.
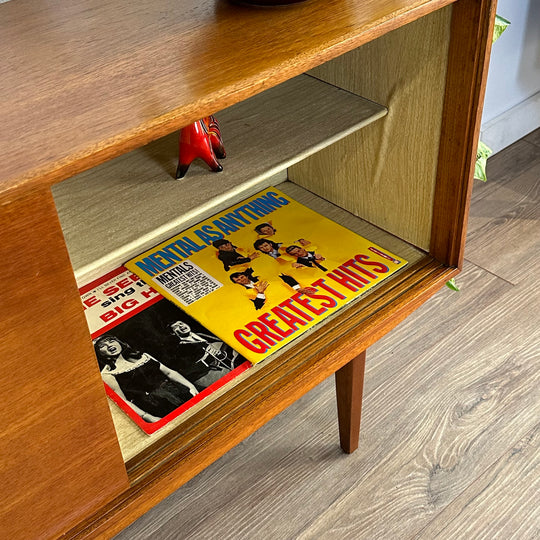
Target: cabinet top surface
x=85, y=81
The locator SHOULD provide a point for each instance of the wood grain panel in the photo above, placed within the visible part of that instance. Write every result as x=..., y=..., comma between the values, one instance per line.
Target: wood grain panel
x=396, y=159
x=60, y=457
x=468, y=60
x=501, y=503
x=85, y=81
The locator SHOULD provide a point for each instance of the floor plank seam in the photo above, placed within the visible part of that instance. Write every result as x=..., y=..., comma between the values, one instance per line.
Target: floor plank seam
x=488, y=272
x=533, y=142
x=316, y=519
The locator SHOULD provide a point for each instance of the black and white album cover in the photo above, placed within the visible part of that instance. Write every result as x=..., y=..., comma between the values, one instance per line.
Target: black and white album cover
x=155, y=360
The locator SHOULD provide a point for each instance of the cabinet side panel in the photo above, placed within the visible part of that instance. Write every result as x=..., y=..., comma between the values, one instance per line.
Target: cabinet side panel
x=60, y=455
x=470, y=48
x=385, y=173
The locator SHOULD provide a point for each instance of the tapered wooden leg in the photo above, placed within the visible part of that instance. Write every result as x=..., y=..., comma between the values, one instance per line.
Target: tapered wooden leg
x=349, y=388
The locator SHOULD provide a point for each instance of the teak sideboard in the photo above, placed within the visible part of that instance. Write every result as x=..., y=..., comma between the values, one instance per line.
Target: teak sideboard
x=367, y=110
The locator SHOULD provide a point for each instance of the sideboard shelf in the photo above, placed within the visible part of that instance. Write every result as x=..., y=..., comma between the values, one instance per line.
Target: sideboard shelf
x=145, y=204
x=368, y=112
x=85, y=82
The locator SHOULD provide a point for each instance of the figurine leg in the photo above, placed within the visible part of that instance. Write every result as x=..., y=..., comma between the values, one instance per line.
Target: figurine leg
x=195, y=143
x=212, y=162
x=181, y=170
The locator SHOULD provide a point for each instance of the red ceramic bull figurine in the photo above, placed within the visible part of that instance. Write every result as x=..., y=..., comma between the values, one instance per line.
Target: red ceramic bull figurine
x=215, y=136
x=202, y=139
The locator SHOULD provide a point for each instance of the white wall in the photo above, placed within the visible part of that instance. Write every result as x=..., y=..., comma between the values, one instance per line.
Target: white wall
x=512, y=102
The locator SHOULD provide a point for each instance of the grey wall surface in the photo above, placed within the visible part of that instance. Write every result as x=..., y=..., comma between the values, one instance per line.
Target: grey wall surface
x=512, y=102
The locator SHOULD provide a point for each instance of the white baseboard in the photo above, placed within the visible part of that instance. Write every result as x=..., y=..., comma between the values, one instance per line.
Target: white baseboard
x=512, y=124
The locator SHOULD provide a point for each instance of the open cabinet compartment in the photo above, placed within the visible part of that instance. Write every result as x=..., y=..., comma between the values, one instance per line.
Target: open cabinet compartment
x=404, y=168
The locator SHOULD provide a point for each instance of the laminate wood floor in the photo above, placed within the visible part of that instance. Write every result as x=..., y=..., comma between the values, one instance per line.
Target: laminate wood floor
x=450, y=437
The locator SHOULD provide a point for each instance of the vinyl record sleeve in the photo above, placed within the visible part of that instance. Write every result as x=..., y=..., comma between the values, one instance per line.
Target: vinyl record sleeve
x=159, y=374
x=264, y=271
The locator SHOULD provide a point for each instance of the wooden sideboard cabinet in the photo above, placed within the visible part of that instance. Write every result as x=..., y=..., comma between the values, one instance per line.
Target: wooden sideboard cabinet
x=366, y=110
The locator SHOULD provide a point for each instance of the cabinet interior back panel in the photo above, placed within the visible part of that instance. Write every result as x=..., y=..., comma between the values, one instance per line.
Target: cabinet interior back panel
x=129, y=204
x=386, y=172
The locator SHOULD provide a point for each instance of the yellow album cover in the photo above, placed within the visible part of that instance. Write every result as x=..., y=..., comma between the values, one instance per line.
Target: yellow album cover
x=264, y=271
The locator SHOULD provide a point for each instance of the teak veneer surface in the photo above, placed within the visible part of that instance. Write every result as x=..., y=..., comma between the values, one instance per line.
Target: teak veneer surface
x=55, y=421
x=83, y=82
